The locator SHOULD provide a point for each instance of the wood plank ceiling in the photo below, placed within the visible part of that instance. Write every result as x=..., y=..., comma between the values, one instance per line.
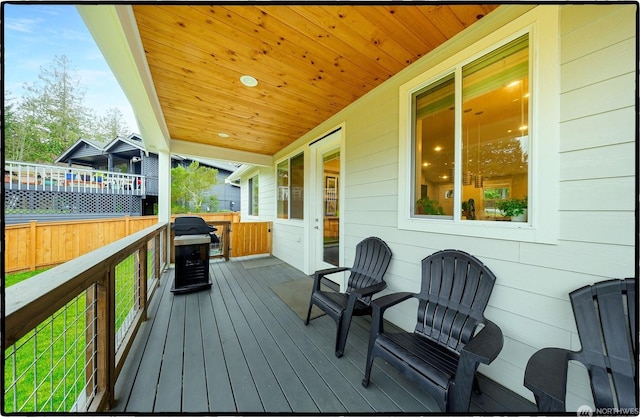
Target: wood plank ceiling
x=310, y=62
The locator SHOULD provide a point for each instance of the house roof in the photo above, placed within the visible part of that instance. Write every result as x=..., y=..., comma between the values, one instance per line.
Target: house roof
x=98, y=145
x=89, y=151
x=133, y=140
x=180, y=66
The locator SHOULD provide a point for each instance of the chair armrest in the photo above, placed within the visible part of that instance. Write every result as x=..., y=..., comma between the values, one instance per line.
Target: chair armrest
x=485, y=346
x=372, y=289
x=320, y=274
x=389, y=300
x=546, y=376
x=378, y=307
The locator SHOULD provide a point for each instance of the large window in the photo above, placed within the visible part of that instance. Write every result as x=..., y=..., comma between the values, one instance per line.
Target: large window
x=253, y=196
x=290, y=182
x=492, y=125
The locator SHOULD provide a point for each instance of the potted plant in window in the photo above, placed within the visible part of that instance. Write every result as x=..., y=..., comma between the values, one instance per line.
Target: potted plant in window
x=515, y=208
x=427, y=206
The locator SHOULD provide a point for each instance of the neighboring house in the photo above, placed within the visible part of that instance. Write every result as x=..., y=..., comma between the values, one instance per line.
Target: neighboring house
x=578, y=172
x=124, y=155
x=128, y=155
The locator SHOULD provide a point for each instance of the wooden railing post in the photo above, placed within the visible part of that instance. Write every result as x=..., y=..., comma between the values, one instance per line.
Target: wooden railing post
x=226, y=239
x=158, y=260
x=142, y=280
x=89, y=336
x=106, y=339
x=32, y=245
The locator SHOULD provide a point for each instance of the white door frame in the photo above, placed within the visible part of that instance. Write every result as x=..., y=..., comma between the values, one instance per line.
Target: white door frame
x=332, y=139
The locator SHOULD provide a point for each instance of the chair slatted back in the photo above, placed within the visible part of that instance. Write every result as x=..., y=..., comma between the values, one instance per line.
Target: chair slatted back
x=371, y=262
x=605, y=315
x=455, y=291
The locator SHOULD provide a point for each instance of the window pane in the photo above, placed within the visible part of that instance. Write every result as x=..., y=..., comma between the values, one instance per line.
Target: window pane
x=253, y=196
x=495, y=132
x=283, y=189
x=297, y=187
x=434, y=117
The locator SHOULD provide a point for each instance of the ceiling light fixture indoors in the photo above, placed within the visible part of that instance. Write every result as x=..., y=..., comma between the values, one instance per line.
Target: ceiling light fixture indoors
x=223, y=135
x=248, y=80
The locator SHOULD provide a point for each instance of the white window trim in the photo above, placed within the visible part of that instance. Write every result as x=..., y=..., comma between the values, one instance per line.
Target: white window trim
x=542, y=23
x=289, y=156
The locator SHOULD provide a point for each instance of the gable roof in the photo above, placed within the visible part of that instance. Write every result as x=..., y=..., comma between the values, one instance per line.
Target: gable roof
x=133, y=141
x=94, y=143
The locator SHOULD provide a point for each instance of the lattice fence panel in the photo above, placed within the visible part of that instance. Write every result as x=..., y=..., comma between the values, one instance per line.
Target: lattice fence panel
x=54, y=202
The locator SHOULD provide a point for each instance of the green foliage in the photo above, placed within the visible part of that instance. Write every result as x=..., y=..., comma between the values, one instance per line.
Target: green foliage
x=430, y=207
x=188, y=187
x=110, y=125
x=51, y=115
x=54, y=361
x=16, y=277
x=512, y=207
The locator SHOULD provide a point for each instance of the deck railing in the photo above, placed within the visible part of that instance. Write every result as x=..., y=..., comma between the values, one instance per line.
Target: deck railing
x=28, y=176
x=68, y=330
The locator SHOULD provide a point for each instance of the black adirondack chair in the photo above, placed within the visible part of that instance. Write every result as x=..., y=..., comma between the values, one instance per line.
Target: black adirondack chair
x=605, y=315
x=366, y=278
x=442, y=354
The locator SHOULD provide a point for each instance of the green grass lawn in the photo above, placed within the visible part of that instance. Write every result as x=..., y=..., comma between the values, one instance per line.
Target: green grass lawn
x=12, y=279
x=49, y=362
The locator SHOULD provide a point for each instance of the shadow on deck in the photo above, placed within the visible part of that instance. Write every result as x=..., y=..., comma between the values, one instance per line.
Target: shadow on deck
x=238, y=348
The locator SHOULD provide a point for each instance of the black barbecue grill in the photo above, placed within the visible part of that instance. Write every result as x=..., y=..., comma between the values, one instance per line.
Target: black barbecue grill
x=192, y=239
x=193, y=225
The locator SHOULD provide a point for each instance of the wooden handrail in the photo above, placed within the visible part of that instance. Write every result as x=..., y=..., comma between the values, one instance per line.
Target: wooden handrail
x=29, y=303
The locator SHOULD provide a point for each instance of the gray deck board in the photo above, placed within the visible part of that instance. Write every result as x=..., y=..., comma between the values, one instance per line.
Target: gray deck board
x=238, y=348
x=219, y=389
x=194, y=391
x=169, y=390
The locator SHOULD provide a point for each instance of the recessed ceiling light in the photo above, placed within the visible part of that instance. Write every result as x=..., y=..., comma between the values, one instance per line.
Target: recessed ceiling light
x=437, y=148
x=223, y=135
x=248, y=80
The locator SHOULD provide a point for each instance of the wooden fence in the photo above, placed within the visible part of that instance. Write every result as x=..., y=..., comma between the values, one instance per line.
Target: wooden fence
x=36, y=245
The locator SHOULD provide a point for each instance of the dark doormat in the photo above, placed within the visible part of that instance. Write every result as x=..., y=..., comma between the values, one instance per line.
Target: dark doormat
x=260, y=262
x=296, y=295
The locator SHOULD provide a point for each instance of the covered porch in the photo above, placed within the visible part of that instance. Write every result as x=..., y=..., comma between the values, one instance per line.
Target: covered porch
x=239, y=348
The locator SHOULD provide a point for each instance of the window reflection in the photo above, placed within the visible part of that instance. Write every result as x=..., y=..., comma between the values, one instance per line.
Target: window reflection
x=493, y=133
x=495, y=121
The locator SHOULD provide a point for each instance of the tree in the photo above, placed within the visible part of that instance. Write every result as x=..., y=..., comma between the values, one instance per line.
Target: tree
x=189, y=184
x=52, y=113
x=110, y=125
x=13, y=139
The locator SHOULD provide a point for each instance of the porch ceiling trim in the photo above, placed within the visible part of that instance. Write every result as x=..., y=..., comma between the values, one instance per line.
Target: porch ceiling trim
x=196, y=150
x=115, y=32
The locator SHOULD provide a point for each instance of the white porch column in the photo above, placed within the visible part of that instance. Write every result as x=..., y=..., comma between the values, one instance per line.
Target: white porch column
x=164, y=193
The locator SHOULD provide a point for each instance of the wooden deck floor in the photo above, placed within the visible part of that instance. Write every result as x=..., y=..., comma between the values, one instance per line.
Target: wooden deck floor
x=238, y=348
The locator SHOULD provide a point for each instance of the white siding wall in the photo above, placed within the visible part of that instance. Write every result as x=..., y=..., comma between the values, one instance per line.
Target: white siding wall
x=266, y=194
x=287, y=235
x=596, y=202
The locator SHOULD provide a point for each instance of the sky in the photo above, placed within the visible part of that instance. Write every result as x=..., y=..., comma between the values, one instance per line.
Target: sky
x=35, y=33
